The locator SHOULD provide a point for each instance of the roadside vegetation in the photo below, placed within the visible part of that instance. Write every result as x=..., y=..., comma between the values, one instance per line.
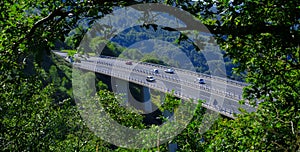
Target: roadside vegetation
x=260, y=43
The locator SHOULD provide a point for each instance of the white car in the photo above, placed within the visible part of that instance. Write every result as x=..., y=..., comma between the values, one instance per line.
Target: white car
x=169, y=71
x=150, y=78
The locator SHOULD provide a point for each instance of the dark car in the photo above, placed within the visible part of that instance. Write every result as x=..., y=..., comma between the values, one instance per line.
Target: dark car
x=201, y=81
x=128, y=63
x=155, y=71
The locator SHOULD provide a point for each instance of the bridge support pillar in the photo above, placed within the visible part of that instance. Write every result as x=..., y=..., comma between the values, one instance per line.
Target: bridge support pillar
x=122, y=88
x=134, y=95
x=147, y=104
x=140, y=98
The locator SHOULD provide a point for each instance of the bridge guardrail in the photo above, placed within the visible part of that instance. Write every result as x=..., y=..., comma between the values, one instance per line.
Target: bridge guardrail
x=226, y=94
x=224, y=111
x=242, y=84
x=184, y=82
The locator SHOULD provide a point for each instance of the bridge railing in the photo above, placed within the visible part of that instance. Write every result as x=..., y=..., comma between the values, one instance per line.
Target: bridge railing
x=222, y=110
x=227, y=94
x=211, y=89
x=242, y=84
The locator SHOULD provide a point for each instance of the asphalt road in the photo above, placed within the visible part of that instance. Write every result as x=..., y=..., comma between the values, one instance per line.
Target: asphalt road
x=219, y=94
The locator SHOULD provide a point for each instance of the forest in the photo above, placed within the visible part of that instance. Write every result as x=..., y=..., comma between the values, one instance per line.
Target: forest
x=258, y=41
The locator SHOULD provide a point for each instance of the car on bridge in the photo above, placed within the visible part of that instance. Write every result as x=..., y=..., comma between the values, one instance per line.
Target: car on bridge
x=128, y=63
x=171, y=71
x=70, y=59
x=150, y=78
x=201, y=81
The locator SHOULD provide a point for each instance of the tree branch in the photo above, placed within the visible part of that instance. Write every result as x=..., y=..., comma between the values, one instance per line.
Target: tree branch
x=51, y=16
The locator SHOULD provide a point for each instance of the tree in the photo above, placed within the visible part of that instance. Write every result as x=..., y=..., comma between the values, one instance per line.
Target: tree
x=32, y=118
x=263, y=38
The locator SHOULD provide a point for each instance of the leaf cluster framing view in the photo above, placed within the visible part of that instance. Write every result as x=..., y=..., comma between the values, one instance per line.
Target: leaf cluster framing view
x=259, y=40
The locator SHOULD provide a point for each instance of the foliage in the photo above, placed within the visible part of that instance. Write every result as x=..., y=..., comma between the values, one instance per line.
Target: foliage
x=70, y=52
x=129, y=118
x=254, y=132
x=261, y=38
x=132, y=54
x=33, y=118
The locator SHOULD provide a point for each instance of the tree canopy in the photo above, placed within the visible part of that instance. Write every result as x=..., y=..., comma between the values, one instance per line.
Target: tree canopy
x=261, y=37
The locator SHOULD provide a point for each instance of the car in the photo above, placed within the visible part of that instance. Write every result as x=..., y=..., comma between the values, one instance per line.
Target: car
x=128, y=63
x=150, y=78
x=169, y=71
x=70, y=59
x=201, y=81
x=155, y=71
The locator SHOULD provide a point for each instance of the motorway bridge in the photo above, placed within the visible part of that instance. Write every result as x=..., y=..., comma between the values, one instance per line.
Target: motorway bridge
x=221, y=94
